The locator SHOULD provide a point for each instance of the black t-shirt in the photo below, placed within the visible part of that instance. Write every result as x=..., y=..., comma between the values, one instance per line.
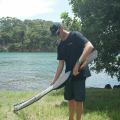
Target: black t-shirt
x=70, y=51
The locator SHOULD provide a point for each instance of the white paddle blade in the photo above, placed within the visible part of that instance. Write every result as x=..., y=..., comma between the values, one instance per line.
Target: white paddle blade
x=92, y=56
x=62, y=80
x=89, y=59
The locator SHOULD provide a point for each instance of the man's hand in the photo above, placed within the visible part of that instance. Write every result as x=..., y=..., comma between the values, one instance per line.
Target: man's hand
x=75, y=70
x=52, y=83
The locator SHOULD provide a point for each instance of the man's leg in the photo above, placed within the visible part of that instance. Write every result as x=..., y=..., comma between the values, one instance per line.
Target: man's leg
x=79, y=108
x=71, y=104
x=79, y=97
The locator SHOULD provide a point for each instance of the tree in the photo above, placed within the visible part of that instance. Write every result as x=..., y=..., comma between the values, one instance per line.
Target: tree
x=73, y=24
x=100, y=22
x=27, y=35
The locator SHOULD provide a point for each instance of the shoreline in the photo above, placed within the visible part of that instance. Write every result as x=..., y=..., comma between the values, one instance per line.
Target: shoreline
x=61, y=88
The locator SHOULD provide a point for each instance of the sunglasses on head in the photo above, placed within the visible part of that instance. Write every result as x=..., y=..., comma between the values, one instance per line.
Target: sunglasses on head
x=58, y=32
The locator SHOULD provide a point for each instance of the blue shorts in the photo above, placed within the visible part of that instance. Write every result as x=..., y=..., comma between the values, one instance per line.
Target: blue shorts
x=75, y=90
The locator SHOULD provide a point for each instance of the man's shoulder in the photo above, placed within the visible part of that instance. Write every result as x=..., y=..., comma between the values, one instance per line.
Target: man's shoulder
x=76, y=33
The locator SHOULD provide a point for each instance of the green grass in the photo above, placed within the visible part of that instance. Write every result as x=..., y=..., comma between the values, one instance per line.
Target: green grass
x=100, y=104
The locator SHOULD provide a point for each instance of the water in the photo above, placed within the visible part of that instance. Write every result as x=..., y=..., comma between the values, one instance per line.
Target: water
x=35, y=71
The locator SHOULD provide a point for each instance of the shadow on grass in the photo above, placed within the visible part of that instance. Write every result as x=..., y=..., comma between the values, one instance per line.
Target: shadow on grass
x=103, y=102
x=20, y=114
x=57, y=92
x=63, y=104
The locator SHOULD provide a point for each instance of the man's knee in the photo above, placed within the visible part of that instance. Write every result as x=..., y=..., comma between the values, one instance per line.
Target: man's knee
x=80, y=104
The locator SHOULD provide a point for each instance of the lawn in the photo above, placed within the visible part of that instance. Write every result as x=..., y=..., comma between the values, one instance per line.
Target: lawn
x=100, y=104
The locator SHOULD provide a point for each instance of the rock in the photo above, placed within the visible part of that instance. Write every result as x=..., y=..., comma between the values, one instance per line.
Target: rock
x=116, y=86
x=108, y=86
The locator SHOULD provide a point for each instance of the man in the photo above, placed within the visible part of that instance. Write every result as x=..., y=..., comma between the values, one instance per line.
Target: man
x=73, y=48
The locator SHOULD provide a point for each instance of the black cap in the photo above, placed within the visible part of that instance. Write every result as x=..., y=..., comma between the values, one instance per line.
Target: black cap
x=54, y=28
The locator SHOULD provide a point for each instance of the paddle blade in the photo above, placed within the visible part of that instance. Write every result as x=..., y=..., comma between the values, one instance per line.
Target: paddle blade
x=89, y=59
x=62, y=80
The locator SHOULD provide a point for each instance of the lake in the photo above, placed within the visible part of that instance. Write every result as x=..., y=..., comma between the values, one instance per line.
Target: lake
x=35, y=71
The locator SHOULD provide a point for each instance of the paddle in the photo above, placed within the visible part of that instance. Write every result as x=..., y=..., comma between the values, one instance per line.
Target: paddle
x=58, y=84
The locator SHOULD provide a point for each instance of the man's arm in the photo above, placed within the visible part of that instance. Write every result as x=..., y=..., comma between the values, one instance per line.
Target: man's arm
x=59, y=71
x=87, y=50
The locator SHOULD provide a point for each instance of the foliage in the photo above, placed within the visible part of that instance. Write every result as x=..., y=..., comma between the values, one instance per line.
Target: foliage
x=27, y=35
x=100, y=22
x=72, y=23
